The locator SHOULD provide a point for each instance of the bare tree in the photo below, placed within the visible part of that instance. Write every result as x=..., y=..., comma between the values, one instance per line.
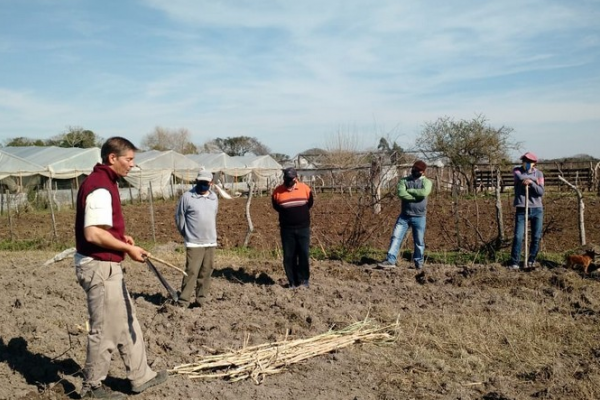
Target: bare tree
x=163, y=139
x=465, y=144
x=344, y=149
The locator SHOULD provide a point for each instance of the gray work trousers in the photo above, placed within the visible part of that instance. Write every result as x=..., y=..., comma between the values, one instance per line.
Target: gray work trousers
x=113, y=325
x=199, y=267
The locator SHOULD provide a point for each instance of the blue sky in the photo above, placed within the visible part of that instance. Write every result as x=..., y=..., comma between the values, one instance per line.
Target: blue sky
x=298, y=74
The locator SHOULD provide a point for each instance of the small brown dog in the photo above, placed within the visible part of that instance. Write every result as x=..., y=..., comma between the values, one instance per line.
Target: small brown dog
x=580, y=259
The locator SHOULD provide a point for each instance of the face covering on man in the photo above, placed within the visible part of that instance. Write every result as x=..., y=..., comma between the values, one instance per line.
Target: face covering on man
x=202, y=187
x=289, y=182
x=416, y=173
x=527, y=165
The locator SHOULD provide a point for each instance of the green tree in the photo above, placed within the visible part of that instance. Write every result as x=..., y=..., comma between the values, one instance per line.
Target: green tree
x=395, y=151
x=75, y=136
x=23, y=141
x=466, y=143
x=238, y=146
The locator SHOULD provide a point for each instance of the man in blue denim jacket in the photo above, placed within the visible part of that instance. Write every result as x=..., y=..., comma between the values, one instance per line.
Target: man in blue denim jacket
x=413, y=191
x=527, y=176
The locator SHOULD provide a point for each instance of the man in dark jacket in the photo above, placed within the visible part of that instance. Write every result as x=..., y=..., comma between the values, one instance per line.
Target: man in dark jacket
x=293, y=200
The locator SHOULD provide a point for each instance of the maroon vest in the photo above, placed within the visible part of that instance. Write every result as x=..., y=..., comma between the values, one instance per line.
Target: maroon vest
x=102, y=177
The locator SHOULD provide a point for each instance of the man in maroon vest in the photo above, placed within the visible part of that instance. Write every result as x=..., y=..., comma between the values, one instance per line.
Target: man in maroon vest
x=101, y=247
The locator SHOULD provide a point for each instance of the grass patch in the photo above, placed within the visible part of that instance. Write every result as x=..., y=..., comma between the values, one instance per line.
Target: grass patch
x=32, y=244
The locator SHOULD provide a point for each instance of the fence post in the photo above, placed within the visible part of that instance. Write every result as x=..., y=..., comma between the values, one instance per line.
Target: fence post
x=72, y=196
x=10, y=225
x=49, y=189
x=151, y=211
x=172, y=188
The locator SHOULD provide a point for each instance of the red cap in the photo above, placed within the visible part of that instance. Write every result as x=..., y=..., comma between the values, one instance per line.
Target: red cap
x=529, y=156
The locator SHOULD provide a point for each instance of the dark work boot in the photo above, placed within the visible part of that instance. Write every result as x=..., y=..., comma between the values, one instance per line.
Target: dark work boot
x=102, y=392
x=157, y=380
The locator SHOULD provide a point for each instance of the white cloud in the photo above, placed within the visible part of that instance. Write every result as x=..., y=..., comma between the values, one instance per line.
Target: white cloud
x=274, y=69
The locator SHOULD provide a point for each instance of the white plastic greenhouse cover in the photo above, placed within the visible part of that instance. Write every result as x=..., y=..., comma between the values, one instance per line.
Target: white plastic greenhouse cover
x=53, y=162
x=11, y=165
x=220, y=162
x=156, y=167
x=261, y=166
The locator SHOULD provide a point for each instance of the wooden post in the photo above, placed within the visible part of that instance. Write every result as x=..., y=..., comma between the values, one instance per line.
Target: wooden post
x=72, y=196
x=581, y=210
x=376, y=184
x=151, y=211
x=172, y=186
x=499, y=214
x=10, y=225
x=248, y=217
x=49, y=189
x=525, y=263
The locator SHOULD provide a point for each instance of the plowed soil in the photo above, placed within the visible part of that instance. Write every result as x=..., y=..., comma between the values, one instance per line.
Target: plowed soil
x=468, y=331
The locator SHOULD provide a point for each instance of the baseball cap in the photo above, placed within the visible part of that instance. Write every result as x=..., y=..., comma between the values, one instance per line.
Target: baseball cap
x=529, y=156
x=204, y=176
x=290, y=173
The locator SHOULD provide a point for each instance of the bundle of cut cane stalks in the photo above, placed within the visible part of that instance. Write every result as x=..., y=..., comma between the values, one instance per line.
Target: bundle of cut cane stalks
x=256, y=362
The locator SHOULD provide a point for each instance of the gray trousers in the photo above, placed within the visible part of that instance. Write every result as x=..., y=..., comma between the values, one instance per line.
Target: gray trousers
x=199, y=267
x=113, y=325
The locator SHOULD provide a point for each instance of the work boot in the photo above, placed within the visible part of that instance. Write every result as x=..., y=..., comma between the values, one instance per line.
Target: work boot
x=157, y=380
x=101, y=392
x=386, y=264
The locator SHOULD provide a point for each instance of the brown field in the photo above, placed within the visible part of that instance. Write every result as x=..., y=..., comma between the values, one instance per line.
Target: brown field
x=469, y=331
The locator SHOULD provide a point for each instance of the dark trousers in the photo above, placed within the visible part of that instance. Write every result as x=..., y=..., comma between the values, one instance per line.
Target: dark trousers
x=296, y=243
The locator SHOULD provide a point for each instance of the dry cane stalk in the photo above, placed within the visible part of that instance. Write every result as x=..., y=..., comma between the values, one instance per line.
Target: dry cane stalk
x=267, y=359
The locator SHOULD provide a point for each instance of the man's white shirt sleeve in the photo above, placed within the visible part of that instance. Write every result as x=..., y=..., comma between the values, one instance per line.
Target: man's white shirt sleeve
x=98, y=209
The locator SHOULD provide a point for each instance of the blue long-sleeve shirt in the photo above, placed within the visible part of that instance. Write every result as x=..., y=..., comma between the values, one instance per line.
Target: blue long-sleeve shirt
x=196, y=218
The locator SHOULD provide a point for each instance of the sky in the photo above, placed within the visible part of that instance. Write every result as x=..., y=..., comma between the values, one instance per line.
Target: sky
x=303, y=74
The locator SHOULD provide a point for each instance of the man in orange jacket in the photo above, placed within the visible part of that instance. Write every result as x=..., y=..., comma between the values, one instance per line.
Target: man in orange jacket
x=293, y=200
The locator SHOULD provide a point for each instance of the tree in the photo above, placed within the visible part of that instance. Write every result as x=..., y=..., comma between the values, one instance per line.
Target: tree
x=344, y=148
x=238, y=146
x=280, y=157
x=395, y=152
x=75, y=136
x=23, y=141
x=466, y=143
x=163, y=139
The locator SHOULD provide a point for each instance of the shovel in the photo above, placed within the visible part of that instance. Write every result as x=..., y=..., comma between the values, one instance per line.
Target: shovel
x=525, y=263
